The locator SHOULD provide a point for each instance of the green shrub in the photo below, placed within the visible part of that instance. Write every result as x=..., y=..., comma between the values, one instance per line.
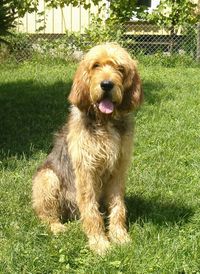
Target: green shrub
x=19, y=45
x=100, y=32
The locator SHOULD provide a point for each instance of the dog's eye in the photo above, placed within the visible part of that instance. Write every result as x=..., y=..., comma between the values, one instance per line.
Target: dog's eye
x=96, y=65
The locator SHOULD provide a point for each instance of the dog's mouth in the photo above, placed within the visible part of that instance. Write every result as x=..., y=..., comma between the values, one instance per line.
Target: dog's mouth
x=106, y=106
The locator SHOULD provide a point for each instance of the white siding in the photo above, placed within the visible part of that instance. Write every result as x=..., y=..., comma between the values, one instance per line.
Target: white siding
x=57, y=20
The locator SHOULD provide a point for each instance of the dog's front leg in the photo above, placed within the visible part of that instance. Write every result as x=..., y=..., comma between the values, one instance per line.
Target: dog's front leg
x=93, y=224
x=117, y=210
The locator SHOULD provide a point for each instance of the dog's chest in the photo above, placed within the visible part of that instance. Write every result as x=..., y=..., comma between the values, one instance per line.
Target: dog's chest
x=97, y=150
x=107, y=148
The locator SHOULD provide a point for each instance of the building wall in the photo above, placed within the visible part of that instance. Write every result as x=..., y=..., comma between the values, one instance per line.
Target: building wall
x=56, y=20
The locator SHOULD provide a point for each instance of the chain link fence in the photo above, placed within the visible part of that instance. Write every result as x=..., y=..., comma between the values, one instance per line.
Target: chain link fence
x=138, y=38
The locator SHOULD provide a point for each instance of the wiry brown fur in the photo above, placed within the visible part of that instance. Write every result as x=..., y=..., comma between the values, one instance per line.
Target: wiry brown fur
x=88, y=164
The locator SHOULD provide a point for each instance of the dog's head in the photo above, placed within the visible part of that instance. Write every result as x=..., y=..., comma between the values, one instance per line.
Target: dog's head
x=107, y=79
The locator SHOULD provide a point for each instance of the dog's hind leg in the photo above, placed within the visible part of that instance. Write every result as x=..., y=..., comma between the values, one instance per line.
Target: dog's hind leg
x=47, y=198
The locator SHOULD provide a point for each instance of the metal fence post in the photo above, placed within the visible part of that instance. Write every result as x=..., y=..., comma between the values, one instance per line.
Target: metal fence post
x=198, y=42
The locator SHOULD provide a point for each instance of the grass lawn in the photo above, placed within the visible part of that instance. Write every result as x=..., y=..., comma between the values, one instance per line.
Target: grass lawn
x=163, y=189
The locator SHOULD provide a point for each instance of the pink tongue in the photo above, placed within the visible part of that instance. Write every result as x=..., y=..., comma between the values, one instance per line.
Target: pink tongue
x=106, y=106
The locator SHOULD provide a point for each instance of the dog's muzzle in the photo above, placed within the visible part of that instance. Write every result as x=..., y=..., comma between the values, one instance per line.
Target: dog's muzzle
x=106, y=105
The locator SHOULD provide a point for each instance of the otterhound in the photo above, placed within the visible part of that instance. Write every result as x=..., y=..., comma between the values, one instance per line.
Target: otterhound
x=88, y=164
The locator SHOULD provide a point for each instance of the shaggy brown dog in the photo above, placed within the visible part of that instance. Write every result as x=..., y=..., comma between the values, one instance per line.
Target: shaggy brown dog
x=87, y=166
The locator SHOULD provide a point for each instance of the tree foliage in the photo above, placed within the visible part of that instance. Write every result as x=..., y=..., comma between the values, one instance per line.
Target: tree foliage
x=61, y=3
x=173, y=14
x=122, y=11
x=7, y=17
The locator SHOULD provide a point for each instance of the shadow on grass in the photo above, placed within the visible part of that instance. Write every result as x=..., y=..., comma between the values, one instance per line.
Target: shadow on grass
x=31, y=112
x=29, y=115
x=153, y=93
x=158, y=212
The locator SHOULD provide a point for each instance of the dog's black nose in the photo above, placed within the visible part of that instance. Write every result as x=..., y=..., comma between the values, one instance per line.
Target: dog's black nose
x=107, y=85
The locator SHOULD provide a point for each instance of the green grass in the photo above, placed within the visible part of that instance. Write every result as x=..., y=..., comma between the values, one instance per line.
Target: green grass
x=163, y=190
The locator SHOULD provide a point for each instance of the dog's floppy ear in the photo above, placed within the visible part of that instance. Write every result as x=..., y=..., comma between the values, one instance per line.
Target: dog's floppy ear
x=138, y=94
x=79, y=95
x=133, y=92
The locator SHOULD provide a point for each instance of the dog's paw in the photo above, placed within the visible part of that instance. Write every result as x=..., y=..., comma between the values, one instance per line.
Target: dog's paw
x=99, y=244
x=57, y=228
x=119, y=235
